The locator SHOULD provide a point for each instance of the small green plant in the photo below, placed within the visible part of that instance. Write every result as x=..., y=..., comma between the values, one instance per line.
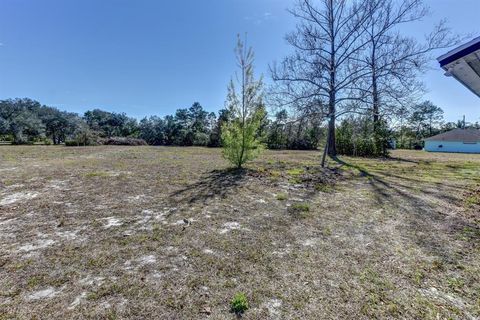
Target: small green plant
x=300, y=210
x=437, y=265
x=301, y=207
x=323, y=188
x=468, y=234
x=295, y=180
x=455, y=283
x=473, y=200
x=282, y=196
x=34, y=281
x=94, y=174
x=295, y=172
x=418, y=277
x=239, y=303
x=327, y=231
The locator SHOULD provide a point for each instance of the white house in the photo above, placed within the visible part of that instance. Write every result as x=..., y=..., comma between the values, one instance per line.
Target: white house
x=457, y=140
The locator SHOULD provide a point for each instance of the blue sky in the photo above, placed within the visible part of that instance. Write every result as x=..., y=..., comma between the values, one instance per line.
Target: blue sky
x=147, y=57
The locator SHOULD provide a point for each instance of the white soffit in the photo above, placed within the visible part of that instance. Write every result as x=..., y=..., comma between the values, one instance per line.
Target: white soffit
x=463, y=63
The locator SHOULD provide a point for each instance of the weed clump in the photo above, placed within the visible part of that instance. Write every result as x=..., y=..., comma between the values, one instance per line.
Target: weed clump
x=301, y=207
x=282, y=196
x=300, y=210
x=239, y=303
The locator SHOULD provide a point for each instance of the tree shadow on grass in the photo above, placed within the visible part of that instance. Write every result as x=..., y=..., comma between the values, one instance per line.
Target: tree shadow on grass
x=217, y=183
x=398, y=185
x=418, y=209
x=402, y=160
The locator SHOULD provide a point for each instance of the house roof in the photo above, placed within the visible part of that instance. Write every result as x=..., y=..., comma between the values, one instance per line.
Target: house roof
x=461, y=135
x=463, y=63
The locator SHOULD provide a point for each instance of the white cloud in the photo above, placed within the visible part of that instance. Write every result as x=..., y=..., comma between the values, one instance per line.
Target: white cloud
x=259, y=18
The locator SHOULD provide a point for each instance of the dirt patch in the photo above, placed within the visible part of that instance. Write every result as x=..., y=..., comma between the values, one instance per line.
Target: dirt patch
x=16, y=197
x=112, y=222
x=47, y=293
x=37, y=245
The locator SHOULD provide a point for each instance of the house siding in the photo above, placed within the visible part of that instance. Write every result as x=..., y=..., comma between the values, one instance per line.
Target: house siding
x=452, y=146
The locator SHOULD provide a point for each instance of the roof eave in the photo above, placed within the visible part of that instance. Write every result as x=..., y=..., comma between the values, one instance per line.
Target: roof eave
x=459, y=52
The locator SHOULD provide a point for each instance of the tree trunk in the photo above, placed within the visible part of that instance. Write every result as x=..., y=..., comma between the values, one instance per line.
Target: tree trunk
x=375, y=95
x=331, y=142
x=376, y=102
x=324, y=156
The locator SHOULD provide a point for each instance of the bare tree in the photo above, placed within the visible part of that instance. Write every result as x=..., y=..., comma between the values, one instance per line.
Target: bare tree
x=323, y=70
x=394, y=60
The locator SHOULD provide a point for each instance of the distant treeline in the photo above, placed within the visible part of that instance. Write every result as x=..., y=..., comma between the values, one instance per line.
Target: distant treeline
x=25, y=121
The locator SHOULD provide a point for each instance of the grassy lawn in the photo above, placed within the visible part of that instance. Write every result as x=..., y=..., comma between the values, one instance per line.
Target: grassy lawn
x=171, y=233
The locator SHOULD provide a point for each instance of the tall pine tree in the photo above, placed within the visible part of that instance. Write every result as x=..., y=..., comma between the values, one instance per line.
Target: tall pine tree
x=239, y=136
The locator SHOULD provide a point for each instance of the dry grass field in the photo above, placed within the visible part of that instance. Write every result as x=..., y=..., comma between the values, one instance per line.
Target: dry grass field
x=171, y=233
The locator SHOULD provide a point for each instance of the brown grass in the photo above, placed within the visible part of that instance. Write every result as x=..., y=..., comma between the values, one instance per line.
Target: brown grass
x=171, y=233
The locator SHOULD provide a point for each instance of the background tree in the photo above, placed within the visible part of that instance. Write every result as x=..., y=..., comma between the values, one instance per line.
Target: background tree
x=216, y=132
x=394, y=61
x=21, y=120
x=277, y=138
x=352, y=57
x=327, y=40
x=425, y=117
x=110, y=124
x=239, y=136
x=199, y=125
x=152, y=130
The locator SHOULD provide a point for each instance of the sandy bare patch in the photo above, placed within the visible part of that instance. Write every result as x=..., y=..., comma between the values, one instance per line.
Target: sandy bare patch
x=140, y=262
x=57, y=185
x=18, y=196
x=137, y=198
x=39, y=244
x=47, y=293
x=229, y=226
x=68, y=235
x=147, y=217
x=273, y=306
x=112, y=222
x=77, y=301
x=8, y=221
x=283, y=251
x=208, y=251
x=90, y=281
x=310, y=242
x=147, y=259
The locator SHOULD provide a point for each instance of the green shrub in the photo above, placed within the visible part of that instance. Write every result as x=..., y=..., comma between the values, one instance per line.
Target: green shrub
x=300, y=210
x=83, y=137
x=282, y=196
x=359, y=137
x=201, y=139
x=323, y=188
x=239, y=303
x=301, y=207
x=121, y=141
